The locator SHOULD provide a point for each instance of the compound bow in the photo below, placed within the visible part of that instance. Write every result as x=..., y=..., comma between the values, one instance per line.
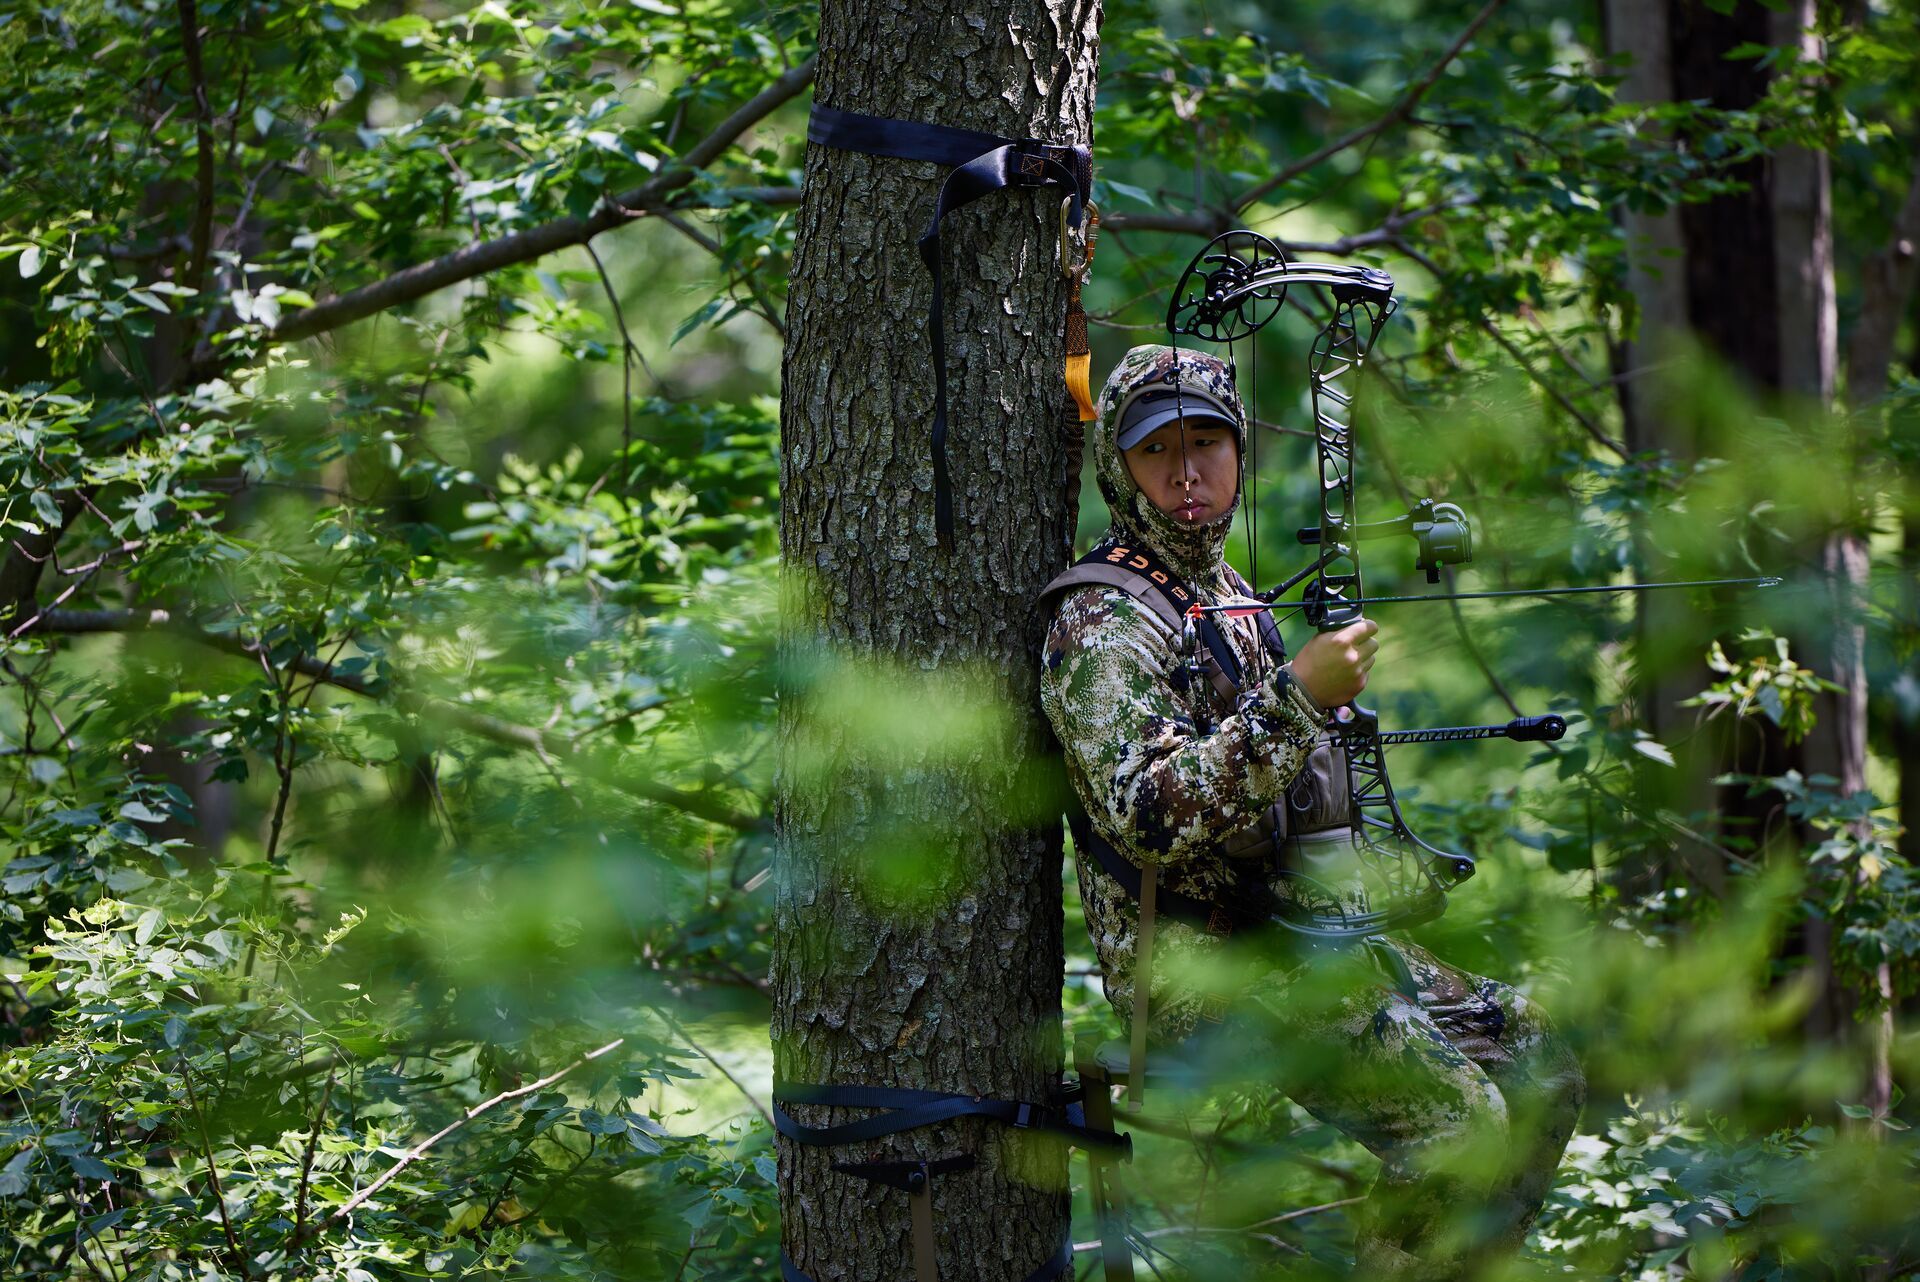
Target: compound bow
x=1230, y=290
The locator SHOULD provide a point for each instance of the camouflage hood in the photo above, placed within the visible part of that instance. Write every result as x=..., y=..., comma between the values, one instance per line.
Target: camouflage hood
x=1192, y=552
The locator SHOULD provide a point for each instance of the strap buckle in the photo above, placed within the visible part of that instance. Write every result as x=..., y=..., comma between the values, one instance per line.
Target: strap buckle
x=1030, y=162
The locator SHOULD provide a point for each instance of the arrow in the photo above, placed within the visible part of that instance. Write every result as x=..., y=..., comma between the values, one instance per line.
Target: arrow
x=1239, y=610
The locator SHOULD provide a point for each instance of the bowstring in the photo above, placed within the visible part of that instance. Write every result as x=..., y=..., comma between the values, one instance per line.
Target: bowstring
x=1179, y=405
x=1250, y=413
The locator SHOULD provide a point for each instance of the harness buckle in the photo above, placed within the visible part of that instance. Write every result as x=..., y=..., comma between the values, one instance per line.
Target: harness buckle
x=1023, y=1119
x=1030, y=169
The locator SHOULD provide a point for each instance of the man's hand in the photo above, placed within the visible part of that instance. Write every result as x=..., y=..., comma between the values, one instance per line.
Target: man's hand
x=1333, y=666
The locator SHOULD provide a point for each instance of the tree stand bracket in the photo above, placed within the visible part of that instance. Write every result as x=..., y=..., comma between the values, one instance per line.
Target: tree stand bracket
x=899, y=1110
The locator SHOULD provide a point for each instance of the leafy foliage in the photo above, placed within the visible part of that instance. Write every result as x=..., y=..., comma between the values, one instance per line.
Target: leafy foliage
x=386, y=712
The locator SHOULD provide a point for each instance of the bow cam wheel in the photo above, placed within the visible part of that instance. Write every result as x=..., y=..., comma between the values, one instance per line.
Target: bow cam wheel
x=1219, y=298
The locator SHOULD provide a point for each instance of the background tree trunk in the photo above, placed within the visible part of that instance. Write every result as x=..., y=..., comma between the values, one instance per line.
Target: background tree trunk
x=1759, y=290
x=1670, y=635
x=917, y=929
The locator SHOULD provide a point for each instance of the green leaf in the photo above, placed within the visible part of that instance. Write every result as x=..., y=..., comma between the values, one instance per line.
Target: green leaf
x=88, y=1168
x=597, y=1123
x=13, y=1178
x=150, y=921
x=48, y=509
x=175, y=1033
x=1654, y=750
x=30, y=260
x=695, y=321
x=1137, y=194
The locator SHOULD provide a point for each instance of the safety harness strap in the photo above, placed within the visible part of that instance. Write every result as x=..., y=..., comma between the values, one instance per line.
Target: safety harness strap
x=1057, y=1267
x=906, y=1110
x=983, y=163
x=1139, y=572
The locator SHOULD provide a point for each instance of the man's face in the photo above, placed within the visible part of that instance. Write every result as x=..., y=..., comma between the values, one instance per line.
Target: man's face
x=1193, y=485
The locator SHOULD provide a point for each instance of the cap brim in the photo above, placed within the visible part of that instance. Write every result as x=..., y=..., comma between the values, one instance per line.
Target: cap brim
x=1194, y=409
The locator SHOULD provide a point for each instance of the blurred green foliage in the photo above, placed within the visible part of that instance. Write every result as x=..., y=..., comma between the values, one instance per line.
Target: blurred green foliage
x=385, y=837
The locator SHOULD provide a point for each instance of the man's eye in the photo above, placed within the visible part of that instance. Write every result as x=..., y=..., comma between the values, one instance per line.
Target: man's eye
x=1156, y=448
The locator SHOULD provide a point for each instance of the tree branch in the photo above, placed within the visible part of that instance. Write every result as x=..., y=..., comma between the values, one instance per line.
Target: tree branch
x=679, y=1030
x=1545, y=384
x=306, y=1157
x=1211, y=223
x=1395, y=114
x=213, y=1170
x=535, y=242
x=202, y=143
x=536, y=740
x=419, y=1150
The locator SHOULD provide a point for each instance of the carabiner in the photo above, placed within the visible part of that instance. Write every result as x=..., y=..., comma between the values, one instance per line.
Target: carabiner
x=1089, y=220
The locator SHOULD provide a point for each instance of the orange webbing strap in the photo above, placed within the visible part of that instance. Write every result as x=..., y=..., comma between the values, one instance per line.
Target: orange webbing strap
x=1079, y=351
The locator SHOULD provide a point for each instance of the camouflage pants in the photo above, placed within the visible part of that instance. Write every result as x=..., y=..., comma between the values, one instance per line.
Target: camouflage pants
x=1457, y=1083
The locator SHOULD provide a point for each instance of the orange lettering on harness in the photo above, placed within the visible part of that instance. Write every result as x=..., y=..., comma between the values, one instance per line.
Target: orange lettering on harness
x=1139, y=563
x=1158, y=577
x=1118, y=555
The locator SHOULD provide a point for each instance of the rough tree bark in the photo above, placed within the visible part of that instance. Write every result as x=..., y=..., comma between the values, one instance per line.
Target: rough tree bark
x=917, y=928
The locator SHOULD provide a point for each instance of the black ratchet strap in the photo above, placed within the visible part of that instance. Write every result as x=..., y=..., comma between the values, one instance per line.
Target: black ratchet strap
x=982, y=163
x=904, y=1110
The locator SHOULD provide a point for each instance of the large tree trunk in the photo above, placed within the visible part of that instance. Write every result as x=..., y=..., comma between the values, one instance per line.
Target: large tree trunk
x=917, y=929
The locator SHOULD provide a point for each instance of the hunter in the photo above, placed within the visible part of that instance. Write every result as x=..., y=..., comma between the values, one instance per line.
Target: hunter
x=1455, y=1082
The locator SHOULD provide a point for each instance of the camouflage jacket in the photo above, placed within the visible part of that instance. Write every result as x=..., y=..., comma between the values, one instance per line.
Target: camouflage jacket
x=1152, y=782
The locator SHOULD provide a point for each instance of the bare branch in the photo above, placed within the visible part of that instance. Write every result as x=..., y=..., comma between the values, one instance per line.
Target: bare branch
x=535, y=242
x=538, y=741
x=1545, y=384
x=213, y=1170
x=1206, y=223
x=1395, y=114
x=306, y=1158
x=419, y=1150
x=1212, y=223
x=202, y=144
x=679, y=1030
